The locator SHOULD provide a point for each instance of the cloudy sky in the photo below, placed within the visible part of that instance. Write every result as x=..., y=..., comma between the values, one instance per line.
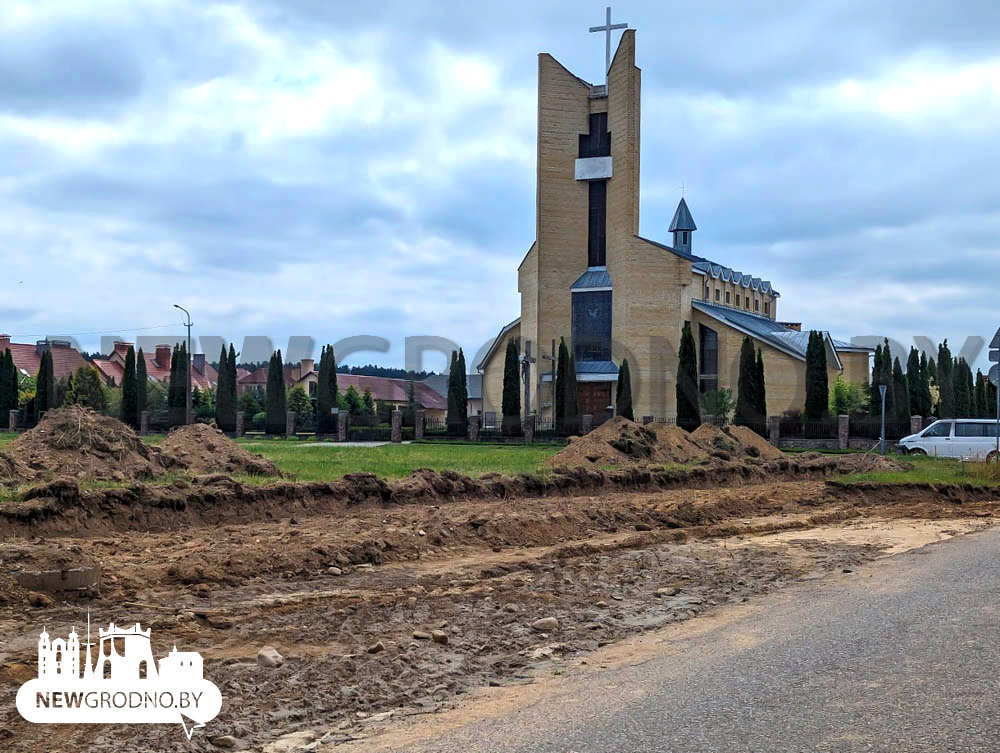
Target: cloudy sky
x=307, y=167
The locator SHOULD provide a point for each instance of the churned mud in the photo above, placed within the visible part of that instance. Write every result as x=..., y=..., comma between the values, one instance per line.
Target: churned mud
x=390, y=600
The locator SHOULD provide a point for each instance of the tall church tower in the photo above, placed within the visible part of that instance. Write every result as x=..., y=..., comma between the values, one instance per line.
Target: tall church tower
x=587, y=212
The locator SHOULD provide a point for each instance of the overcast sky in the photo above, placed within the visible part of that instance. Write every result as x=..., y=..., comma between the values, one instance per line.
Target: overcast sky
x=308, y=167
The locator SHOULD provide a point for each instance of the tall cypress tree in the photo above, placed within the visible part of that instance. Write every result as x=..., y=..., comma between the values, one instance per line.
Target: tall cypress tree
x=276, y=402
x=130, y=391
x=761, y=390
x=141, y=386
x=326, y=391
x=45, y=386
x=623, y=392
x=562, y=360
x=913, y=379
x=8, y=385
x=511, y=402
x=225, y=399
x=900, y=393
x=923, y=388
x=688, y=412
x=571, y=398
x=982, y=404
x=962, y=389
x=463, y=392
x=945, y=381
x=817, y=380
x=456, y=410
x=746, y=386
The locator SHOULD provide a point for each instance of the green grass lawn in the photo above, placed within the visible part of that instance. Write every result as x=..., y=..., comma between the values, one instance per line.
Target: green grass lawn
x=926, y=470
x=308, y=461
x=6, y=437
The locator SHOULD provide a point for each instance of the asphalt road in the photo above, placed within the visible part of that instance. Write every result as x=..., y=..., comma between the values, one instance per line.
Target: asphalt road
x=903, y=655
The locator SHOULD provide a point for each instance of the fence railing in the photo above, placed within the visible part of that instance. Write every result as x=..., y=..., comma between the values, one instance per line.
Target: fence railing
x=870, y=427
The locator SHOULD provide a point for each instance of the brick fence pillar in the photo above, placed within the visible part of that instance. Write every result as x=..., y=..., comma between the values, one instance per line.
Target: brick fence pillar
x=418, y=424
x=475, y=423
x=241, y=417
x=144, y=423
x=843, y=431
x=289, y=424
x=342, y=418
x=916, y=424
x=775, y=433
x=397, y=426
x=12, y=420
x=528, y=427
x=586, y=423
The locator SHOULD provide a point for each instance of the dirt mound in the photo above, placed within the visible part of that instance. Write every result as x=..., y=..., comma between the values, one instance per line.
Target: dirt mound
x=751, y=442
x=866, y=463
x=79, y=443
x=614, y=442
x=677, y=443
x=200, y=448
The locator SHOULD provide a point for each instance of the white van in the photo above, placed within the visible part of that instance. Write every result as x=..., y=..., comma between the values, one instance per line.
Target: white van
x=954, y=438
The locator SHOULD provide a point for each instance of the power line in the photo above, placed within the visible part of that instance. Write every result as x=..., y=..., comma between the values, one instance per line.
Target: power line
x=114, y=331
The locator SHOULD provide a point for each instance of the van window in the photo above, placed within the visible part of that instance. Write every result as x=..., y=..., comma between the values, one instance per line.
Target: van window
x=941, y=429
x=982, y=429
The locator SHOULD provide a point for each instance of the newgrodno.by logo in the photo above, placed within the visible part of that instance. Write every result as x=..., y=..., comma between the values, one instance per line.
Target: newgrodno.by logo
x=123, y=686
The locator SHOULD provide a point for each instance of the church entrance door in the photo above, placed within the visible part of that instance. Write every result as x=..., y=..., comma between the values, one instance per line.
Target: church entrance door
x=595, y=397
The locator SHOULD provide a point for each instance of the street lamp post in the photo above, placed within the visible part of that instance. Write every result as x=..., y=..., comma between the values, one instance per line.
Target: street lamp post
x=881, y=390
x=187, y=401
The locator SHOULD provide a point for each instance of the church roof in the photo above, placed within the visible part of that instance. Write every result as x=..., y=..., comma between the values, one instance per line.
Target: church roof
x=595, y=278
x=727, y=274
x=682, y=218
x=766, y=330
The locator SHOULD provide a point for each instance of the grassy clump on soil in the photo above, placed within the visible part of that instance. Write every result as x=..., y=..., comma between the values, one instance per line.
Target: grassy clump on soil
x=305, y=461
x=6, y=437
x=928, y=470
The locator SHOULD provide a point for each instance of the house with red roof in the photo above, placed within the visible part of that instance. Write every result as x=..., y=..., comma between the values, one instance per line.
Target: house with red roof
x=28, y=358
x=203, y=375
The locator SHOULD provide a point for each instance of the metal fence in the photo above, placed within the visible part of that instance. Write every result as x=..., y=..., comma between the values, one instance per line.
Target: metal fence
x=796, y=428
x=869, y=427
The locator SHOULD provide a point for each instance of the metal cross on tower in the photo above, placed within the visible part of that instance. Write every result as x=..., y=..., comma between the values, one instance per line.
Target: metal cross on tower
x=607, y=29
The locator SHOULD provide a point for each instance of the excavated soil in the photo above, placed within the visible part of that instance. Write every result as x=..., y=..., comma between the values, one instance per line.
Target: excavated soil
x=383, y=609
x=200, y=448
x=623, y=442
x=74, y=442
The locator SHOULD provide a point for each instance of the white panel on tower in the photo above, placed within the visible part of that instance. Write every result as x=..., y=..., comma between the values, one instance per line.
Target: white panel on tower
x=593, y=168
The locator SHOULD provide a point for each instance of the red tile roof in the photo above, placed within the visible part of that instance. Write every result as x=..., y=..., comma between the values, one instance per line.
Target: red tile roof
x=392, y=390
x=28, y=358
x=113, y=367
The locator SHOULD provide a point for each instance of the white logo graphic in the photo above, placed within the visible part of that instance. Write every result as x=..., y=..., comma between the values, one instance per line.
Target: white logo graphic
x=122, y=687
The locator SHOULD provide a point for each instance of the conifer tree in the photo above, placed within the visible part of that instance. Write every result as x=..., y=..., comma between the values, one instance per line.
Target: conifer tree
x=900, y=393
x=913, y=380
x=326, y=391
x=982, y=404
x=746, y=386
x=45, y=386
x=352, y=399
x=688, y=412
x=457, y=418
x=923, y=388
x=368, y=402
x=761, y=388
x=275, y=401
x=571, y=398
x=511, y=400
x=225, y=400
x=141, y=386
x=962, y=389
x=623, y=392
x=817, y=380
x=559, y=385
x=463, y=392
x=8, y=385
x=945, y=381
x=130, y=403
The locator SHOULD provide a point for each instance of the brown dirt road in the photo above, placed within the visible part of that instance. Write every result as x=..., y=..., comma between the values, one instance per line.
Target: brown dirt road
x=348, y=595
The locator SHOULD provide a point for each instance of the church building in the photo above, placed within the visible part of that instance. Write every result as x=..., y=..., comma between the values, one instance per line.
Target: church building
x=591, y=279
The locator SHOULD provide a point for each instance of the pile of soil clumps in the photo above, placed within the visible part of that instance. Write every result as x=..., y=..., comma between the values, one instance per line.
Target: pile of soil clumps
x=200, y=448
x=623, y=442
x=78, y=443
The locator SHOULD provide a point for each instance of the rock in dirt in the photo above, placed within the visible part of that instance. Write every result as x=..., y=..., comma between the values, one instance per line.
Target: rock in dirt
x=439, y=636
x=545, y=625
x=268, y=656
x=40, y=600
x=292, y=742
x=226, y=741
x=376, y=648
x=420, y=635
